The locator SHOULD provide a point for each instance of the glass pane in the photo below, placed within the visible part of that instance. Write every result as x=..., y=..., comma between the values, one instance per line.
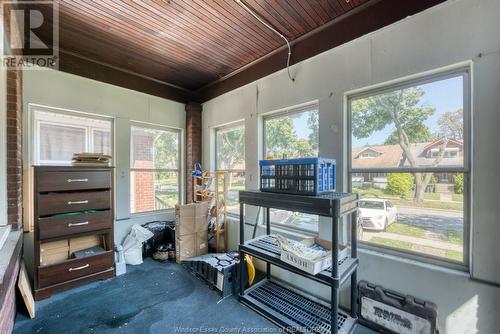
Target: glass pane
x=419, y=126
x=230, y=146
x=292, y=136
x=154, y=149
x=150, y=190
x=236, y=183
x=102, y=141
x=59, y=142
x=294, y=219
x=397, y=211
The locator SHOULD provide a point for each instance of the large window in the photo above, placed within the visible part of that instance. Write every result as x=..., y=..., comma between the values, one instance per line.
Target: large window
x=410, y=164
x=154, y=169
x=230, y=156
x=293, y=134
x=58, y=135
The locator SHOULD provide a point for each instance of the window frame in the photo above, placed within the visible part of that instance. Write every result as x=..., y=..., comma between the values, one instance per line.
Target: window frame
x=306, y=107
x=236, y=124
x=465, y=72
x=149, y=126
x=89, y=142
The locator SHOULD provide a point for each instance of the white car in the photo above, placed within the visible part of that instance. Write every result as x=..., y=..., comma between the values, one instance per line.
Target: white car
x=377, y=214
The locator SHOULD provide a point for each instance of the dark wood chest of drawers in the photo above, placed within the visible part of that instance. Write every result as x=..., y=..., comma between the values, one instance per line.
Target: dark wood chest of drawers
x=73, y=211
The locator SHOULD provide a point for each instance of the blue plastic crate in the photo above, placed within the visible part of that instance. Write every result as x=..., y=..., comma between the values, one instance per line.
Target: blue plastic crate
x=304, y=176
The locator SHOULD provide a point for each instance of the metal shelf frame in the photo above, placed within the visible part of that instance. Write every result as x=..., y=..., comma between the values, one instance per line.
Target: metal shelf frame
x=333, y=205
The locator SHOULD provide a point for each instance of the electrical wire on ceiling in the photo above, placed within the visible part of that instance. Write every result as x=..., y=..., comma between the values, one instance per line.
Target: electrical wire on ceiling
x=261, y=20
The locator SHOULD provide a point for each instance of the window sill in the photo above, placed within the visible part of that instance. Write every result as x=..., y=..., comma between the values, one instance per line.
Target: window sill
x=449, y=268
x=149, y=214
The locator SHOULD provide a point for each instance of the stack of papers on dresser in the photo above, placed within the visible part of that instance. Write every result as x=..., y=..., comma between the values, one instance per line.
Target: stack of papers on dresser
x=91, y=159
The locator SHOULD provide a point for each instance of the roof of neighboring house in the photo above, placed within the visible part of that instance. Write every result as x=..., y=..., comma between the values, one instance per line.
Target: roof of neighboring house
x=389, y=156
x=393, y=156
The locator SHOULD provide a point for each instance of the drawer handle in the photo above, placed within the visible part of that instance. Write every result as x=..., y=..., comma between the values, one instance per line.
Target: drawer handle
x=79, y=268
x=78, y=180
x=78, y=202
x=77, y=224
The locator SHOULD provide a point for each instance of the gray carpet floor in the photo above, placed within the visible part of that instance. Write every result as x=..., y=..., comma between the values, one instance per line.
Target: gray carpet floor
x=150, y=298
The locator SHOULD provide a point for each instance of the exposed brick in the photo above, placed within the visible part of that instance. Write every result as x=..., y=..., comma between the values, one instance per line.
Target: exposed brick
x=193, y=144
x=14, y=147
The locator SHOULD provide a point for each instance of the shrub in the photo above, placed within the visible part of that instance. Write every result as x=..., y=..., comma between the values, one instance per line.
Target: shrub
x=458, y=180
x=399, y=183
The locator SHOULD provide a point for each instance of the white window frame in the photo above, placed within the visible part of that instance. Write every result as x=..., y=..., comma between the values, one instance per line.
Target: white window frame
x=301, y=108
x=40, y=116
x=465, y=72
x=149, y=126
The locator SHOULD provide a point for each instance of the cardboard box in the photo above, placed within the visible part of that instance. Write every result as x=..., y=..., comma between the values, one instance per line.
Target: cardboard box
x=48, y=246
x=54, y=252
x=193, y=210
x=191, y=218
x=77, y=244
x=190, y=245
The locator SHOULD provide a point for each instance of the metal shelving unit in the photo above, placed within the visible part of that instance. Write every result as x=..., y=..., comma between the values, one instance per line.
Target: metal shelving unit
x=283, y=304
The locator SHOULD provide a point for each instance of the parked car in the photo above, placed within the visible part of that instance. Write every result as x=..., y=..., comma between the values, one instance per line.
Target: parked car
x=377, y=214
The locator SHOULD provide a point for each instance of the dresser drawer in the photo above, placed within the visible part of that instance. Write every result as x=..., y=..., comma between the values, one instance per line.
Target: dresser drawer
x=53, y=203
x=73, y=180
x=60, y=226
x=74, y=268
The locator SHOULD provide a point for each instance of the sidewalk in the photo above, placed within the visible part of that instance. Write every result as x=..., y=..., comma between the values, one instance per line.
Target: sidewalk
x=417, y=241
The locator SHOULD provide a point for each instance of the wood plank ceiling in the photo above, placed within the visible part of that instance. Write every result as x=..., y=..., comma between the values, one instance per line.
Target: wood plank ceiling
x=188, y=43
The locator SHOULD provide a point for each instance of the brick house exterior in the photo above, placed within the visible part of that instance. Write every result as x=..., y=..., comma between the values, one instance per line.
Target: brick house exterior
x=142, y=183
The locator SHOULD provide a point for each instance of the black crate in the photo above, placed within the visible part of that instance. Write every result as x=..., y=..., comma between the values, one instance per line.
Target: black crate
x=220, y=271
x=388, y=311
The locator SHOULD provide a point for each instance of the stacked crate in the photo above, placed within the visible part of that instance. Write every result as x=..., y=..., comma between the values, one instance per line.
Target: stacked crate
x=304, y=176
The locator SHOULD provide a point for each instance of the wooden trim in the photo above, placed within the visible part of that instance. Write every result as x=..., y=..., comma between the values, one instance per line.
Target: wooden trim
x=356, y=23
x=71, y=63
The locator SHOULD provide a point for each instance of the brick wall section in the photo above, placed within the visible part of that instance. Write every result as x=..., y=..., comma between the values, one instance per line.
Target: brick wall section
x=14, y=147
x=143, y=181
x=193, y=144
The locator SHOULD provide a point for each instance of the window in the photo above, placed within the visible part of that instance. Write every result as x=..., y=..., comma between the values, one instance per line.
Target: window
x=420, y=129
x=154, y=169
x=230, y=156
x=58, y=135
x=293, y=134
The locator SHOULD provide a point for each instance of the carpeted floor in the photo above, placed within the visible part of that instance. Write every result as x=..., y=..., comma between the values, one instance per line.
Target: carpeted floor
x=151, y=298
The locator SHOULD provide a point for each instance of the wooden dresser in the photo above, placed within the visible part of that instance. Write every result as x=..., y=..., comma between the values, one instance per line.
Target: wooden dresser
x=73, y=211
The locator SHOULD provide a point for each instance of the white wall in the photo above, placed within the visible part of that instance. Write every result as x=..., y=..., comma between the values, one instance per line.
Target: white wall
x=454, y=32
x=3, y=146
x=66, y=91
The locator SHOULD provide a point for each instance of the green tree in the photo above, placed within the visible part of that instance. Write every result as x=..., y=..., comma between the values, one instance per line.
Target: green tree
x=282, y=139
x=399, y=183
x=458, y=181
x=230, y=147
x=451, y=125
x=403, y=110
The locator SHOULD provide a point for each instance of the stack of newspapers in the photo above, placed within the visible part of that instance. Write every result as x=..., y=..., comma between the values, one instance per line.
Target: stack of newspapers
x=91, y=159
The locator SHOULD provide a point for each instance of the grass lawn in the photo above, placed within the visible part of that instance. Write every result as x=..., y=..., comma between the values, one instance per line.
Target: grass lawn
x=456, y=237
x=431, y=200
x=457, y=197
x=454, y=255
x=392, y=243
x=404, y=229
x=431, y=196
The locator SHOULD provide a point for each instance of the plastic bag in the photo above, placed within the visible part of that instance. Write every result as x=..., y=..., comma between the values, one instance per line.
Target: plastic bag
x=132, y=246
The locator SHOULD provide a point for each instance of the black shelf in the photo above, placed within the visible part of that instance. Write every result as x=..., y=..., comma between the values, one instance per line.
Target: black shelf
x=267, y=249
x=330, y=204
x=294, y=311
x=291, y=310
